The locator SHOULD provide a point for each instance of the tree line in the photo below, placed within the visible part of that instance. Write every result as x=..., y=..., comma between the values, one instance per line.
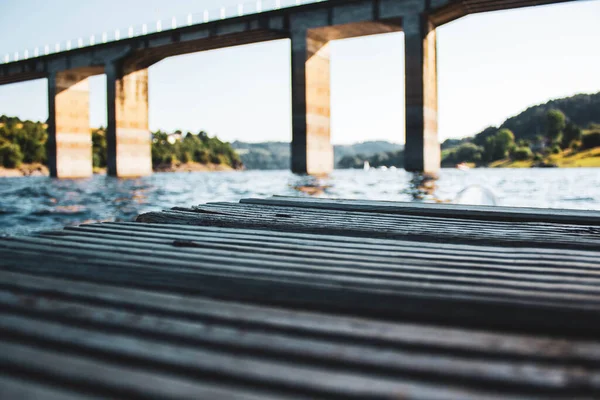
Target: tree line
x=26, y=141
x=189, y=147
x=22, y=142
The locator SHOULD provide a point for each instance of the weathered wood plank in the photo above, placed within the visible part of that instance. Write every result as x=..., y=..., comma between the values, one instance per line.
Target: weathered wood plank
x=345, y=223
x=343, y=299
x=256, y=239
x=110, y=377
x=347, y=243
x=137, y=331
x=25, y=388
x=490, y=213
x=525, y=310
x=192, y=261
x=219, y=350
x=336, y=328
x=371, y=265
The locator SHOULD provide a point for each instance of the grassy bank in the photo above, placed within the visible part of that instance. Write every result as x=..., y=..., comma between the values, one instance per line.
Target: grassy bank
x=567, y=159
x=42, y=170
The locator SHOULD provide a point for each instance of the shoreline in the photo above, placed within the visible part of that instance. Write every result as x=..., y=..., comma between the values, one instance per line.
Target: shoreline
x=25, y=170
x=37, y=170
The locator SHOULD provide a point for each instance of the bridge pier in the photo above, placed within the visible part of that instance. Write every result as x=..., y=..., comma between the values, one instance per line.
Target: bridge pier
x=69, y=135
x=127, y=135
x=422, y=149
x=312, y=152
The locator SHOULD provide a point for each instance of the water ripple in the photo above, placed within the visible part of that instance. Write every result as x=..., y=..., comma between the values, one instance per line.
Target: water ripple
x=38, y=203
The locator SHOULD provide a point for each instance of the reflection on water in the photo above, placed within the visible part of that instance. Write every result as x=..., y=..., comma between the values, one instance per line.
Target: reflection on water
x=422, y=187
x=36, y=203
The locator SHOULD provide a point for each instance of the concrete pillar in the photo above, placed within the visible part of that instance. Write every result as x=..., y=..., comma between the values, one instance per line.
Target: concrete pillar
x=312, y=152
x=127, y=136
x=69, y=134
x=422, y=151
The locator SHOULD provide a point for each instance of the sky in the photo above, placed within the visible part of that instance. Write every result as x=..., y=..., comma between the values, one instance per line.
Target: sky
x=490, y=67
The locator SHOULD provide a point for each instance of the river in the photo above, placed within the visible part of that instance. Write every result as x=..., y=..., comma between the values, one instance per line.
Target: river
x=31, y=204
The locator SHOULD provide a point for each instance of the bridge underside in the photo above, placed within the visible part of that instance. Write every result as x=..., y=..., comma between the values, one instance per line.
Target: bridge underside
x=456, y=9
x=310, y=28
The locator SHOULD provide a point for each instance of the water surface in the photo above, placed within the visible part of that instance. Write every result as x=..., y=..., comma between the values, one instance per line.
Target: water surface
x=38, y=203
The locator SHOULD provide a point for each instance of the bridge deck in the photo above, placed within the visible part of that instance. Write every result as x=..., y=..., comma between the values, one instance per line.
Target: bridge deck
x=301, y=298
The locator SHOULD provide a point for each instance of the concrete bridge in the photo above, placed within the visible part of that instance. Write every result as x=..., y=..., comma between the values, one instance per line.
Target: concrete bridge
x=310, y=28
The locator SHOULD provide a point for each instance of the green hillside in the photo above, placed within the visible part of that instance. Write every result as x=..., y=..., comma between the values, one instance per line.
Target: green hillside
x=581, y=109
x=539, y=136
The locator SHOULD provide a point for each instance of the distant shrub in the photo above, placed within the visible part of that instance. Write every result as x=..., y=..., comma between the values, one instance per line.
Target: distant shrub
x=594, y=126
x=522, y=154
x=575, y=145
x=186, y=157
x=555, y=124
x=571, y=133
x=10, y=155
x=556, y=149
x=468, y=152
x=215, y=159
x=537, y=157
x=591, y=140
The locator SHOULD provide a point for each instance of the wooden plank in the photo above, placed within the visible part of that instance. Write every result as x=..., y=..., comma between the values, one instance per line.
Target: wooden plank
x=336, y=244
x=346, y=243
x=367, y=264
x=193, y=260
x=365, y=218
x=17, y=387
x=104, y=377
x=232, y=352
x=133, y=333
x=19, y=287
x=490, y=213
x=527, y=311
x=342, y=300
x=390, y=226
x=545, y=265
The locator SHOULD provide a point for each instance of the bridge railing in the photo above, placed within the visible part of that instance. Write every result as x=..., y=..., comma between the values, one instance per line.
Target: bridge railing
x=209, y=15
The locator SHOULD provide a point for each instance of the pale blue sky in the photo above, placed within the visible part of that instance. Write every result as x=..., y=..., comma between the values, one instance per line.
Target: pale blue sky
x=491, y=66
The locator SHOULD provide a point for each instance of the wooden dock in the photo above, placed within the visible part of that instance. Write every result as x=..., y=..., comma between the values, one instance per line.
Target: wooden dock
x=305, y=298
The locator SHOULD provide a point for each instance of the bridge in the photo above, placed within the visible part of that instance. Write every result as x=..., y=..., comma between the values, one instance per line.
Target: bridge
x=125, y=56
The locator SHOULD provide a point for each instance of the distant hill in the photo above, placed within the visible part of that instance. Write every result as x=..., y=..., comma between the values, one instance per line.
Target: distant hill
x=266, y=155
x=528, y=140
x=366, y=149
x=581, y=109
x=539, y=135
x=276, y=155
